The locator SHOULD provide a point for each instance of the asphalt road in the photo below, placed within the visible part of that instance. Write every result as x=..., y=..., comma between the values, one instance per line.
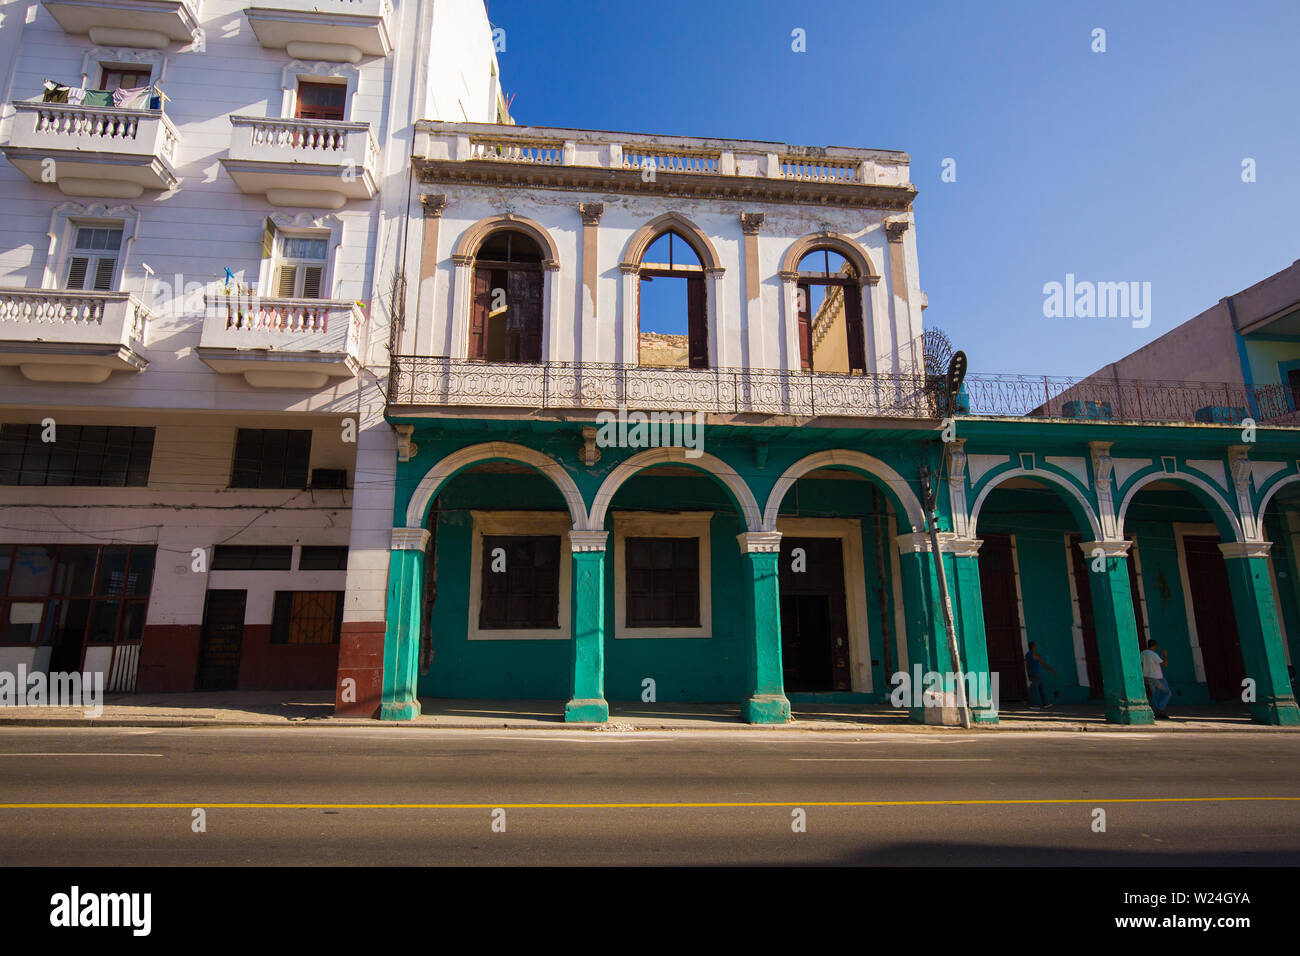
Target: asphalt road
x=1026, y=798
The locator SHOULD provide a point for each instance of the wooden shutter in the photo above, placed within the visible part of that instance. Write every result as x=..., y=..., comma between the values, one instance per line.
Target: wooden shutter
x=311, y=279
x=525, y=290
x=268, y=239
x=803, y=303
x=285, y=280
x=697, y=322
x=104, y=269
x=478, y=313
x=857, y=336
x=77, y=272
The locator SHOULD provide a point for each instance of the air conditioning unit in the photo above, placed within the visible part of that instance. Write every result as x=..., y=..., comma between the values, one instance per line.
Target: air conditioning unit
x=329, y=477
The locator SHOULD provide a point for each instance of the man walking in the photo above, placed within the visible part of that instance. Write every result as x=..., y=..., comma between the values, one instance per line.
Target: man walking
x=1034, y=665
x=1154, y=662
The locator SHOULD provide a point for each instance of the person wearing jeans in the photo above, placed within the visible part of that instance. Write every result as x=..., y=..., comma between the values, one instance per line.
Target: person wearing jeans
x=1033, y=666
x=1154, y=662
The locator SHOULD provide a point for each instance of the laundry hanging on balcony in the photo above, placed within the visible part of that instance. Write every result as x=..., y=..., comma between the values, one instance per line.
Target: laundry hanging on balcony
x=137, y=98
x=55, y=92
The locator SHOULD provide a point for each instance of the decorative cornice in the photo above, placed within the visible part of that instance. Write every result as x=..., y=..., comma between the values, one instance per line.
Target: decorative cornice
x=591, y=212
x=750, y=222
x=581, y=541
x=1245, y=549
x=462, y=259
x=716, y=271
x=629, y=268
x=949, y=543
x=759, y=542
x=551, y=265
x=406, y=449
x=434, y=204
x=410, y=539
x=788, y=275
x=704, y=186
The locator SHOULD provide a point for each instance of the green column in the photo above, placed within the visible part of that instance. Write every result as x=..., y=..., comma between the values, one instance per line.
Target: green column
x=926, y=640
x=1261, y=642
x=1117, y=637
x=968, y=616
x=765, y=701
x=587, y=684
x=402, y=635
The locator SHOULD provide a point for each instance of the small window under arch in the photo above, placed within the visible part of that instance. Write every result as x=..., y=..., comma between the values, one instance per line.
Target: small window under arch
x=506, y=314
x=671, y=307
x=832, y=336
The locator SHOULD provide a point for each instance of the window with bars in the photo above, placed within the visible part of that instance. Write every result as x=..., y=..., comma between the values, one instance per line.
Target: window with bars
x=233, y=557
x=322, y=558
x=663, y=582
x=115, y=456
x=271, y=458
x=299, y=266
x=74, y=594
x=307, y=617
x=521, y=582
x=92, y=266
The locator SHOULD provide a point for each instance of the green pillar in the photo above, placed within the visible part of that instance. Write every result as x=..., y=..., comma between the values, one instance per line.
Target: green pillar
x=587, y=684
x=765, y=701
x=927, y=642
x=1261, y=642
x=968, y=617
x=1117, y=637
x=402, y=634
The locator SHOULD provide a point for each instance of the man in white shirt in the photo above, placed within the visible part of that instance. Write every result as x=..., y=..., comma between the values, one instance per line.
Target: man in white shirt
x=1154, y=662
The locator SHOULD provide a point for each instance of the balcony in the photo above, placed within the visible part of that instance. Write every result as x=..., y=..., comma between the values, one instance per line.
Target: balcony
x=152, y=24
x=589, y=386
x=56, y=335
x=294, y=162
x=94, y=150
x=282, y=343
x=347, y=31
x=487, y=154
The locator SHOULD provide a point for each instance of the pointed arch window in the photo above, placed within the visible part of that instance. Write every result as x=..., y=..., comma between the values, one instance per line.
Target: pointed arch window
x=672, y=312
x=506, y=313
x=832, y=336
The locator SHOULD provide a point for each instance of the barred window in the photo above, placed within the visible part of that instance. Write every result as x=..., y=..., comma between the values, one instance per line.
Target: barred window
x=116, y=456
x=319, y=558
x=307, y=617
x=271, y=458
x=525, y=592
x=663, y=582
x=235, y=557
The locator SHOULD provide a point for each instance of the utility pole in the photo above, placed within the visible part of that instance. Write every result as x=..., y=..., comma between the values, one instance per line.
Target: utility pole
x=928, y=493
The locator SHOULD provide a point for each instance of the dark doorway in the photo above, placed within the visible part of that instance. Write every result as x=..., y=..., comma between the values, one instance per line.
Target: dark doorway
x=1080, y=565
x=1216, y=622
x=223, y=633
x=814, y=622
x=506, y=313
x=1002, y=616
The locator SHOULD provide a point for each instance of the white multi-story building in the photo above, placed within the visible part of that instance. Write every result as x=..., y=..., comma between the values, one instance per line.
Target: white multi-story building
x=203, y=226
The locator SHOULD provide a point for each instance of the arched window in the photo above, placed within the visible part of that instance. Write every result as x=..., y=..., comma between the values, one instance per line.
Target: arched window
x=829, y=300
x=673, y=328
x=506, y=315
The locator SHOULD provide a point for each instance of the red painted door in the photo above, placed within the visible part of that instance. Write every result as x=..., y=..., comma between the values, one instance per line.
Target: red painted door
x=1216, y=623
x=1002, y=616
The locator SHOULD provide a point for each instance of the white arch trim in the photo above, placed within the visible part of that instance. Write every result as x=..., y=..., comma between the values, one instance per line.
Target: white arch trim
x=844, y=457
x=1268, y=496
x=1205, y=486
x=676, y=455
x=487, y=451
x=1045, y=476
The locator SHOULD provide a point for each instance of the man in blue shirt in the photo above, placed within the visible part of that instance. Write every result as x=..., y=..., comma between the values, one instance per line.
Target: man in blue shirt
x=1034, y=665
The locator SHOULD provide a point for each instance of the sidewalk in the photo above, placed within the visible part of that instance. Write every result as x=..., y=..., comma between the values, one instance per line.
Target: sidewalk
x=316, y=708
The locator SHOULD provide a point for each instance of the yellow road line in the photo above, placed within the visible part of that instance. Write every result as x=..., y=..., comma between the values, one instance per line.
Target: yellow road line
x=1093, y=801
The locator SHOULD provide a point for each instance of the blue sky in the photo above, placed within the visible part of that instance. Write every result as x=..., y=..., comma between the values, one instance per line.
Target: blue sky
x=1117, y=166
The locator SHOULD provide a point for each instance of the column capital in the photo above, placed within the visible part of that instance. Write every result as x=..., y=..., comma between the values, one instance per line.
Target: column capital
x=949, y=543
x=591, y=212
x=461, y=259
x=751, y=222
x=1245, y=549
x=788, y=275
x=584, y=541
x=433, y=205
x=410, y=539
x=716, y=272
x=759, y=542
x=895, y=228
x=629, y=268
x=1110, y=549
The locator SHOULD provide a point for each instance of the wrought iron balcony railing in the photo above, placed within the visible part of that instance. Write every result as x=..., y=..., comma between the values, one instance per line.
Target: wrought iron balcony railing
x=417, y=381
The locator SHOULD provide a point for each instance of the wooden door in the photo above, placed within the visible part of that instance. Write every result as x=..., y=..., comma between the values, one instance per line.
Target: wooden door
x=223, y=634
x=803, y=303
x=479, y=308
x=524, y=318
x=697, y=323
x=814, y=620
x=1216, y=622
x=1002, y=616
x=854, y=326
